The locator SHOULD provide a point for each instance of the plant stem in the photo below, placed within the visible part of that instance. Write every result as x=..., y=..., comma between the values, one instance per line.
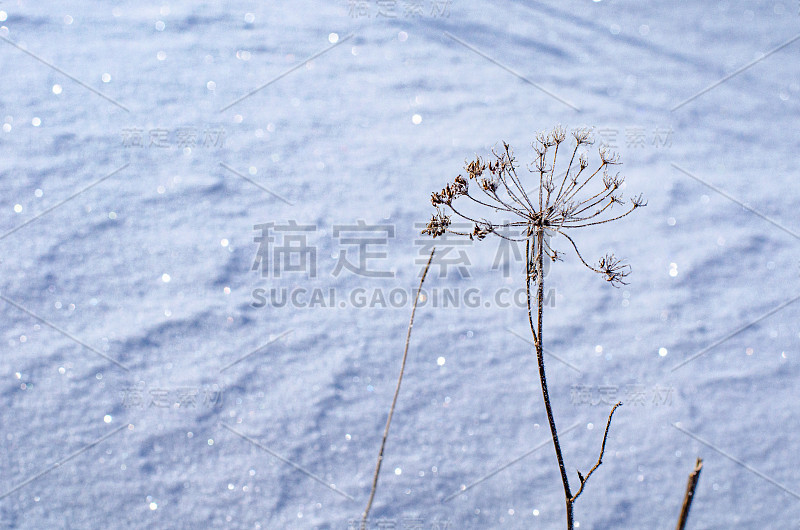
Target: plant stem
x=396, y=394
x=691, y=485
x=537, y=338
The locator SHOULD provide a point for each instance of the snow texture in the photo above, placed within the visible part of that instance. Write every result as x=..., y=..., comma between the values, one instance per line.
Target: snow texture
x=134, y=176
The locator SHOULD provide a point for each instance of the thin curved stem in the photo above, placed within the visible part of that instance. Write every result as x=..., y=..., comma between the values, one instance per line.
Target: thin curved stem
x=566, y=175
x=579, y=254
x=394, y=400
x=493, y=195
x=599, y=458
x=572, y=192
x=605, y=221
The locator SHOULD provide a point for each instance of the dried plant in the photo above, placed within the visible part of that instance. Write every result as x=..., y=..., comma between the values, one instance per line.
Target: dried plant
x=377, y=473
x=580, y=198
x=691, y=486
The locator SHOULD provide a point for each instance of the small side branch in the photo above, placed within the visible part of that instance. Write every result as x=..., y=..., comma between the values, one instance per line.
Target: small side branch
x=694, y=477
x=599, y=458
x=396, y=394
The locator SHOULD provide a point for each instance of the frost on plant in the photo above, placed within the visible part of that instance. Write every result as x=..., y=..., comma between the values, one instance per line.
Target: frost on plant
x=579, y=195
x=564, y=201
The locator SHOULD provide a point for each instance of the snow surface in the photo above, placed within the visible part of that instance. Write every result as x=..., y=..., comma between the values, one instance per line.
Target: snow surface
x=151, y=267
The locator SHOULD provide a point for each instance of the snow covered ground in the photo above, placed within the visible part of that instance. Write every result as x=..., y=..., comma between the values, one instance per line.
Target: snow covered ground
x=143, y=143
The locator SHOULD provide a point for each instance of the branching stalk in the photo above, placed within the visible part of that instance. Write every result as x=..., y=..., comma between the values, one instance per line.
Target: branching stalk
x=599, y=458
x=555, y=215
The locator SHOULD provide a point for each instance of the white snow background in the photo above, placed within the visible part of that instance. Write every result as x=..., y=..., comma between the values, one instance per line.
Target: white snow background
x=143, y=256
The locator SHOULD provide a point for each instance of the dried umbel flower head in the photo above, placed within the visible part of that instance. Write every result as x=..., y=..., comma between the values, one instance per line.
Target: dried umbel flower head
x=578, y=198
x=572, y=200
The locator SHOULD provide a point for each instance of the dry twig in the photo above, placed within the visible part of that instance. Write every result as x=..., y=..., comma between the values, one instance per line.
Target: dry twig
x=694, y=477
x=396, y=394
